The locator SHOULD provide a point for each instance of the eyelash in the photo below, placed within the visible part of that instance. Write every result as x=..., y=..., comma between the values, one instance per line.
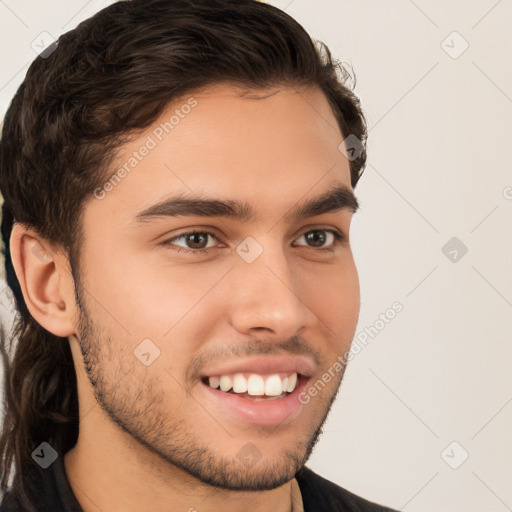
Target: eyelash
x=339, y=238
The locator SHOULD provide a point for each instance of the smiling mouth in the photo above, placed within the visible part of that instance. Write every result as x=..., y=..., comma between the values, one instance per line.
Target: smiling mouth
x=253, y=386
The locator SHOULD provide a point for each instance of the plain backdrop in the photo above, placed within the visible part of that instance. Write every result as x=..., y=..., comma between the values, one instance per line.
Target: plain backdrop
x=423, y=418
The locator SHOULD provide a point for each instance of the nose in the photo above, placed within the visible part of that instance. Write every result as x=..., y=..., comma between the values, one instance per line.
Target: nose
x=266, y=295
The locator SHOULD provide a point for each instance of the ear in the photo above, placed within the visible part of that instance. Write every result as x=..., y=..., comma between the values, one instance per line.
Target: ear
x=45, y=280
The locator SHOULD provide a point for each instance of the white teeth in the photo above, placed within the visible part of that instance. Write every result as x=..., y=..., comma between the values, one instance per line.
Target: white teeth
x=239, y=383
x=292, y=382
x=214, y=382
x=225, y=383
x=255, y=385
x=273, y=386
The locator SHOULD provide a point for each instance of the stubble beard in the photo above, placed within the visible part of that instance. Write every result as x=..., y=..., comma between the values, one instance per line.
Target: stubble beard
x=173, y=441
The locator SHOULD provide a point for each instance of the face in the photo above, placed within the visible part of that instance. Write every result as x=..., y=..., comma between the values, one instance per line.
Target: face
x=181, y=302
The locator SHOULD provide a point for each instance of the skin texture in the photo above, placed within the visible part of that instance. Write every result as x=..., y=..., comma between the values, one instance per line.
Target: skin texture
x=148, y=434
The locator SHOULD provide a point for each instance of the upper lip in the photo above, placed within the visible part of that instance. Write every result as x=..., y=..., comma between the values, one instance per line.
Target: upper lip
x=263, y=365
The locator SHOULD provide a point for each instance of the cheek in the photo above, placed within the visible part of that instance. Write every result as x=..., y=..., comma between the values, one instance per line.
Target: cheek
x=150, y=301
x=351, y=298
x=333, y=294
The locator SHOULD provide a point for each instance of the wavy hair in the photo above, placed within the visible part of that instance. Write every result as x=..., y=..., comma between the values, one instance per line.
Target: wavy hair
x=109, y=77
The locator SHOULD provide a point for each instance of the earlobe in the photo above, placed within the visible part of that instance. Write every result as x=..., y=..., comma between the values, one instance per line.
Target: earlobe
x=44, y=280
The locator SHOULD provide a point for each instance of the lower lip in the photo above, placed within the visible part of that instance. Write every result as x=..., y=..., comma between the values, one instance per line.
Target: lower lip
x=263, y=412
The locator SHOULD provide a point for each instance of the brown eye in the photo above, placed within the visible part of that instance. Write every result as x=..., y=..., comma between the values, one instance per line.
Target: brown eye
x=194, y=241
x=317, y=238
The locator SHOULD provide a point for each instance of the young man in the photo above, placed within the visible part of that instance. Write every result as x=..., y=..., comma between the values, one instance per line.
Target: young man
x=178, y=179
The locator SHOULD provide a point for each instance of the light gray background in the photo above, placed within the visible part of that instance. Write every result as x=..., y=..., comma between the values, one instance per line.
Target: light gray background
x=439, y=166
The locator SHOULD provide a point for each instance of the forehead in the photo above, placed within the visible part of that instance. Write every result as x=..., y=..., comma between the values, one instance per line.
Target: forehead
x=282, y=118
x=271, y=146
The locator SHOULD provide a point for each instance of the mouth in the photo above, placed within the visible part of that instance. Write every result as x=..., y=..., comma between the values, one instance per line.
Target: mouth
x=262, y=399
x=253, y=386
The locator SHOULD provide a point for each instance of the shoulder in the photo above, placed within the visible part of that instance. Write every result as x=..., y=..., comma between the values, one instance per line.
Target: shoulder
x=10, y=503
x=45, y=490
x=320, y=494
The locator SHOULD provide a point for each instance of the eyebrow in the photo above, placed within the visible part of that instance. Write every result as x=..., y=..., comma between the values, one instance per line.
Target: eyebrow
x=339, y=197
